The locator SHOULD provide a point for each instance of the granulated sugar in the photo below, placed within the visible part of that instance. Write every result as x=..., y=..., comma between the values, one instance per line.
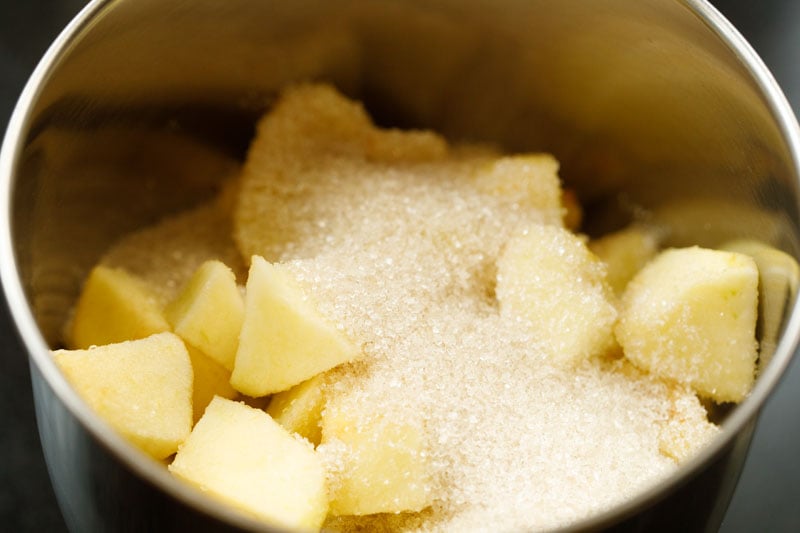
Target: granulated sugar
x=514, y=441
x=166, y=254
x=401, y=256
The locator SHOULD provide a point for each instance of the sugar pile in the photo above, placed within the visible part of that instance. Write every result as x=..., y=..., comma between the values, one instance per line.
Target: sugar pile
x=166, y=254
x=515, y=442
x=401, y=256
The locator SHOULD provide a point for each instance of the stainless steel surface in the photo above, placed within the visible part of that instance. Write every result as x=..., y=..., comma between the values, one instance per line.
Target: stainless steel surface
x=641, y=96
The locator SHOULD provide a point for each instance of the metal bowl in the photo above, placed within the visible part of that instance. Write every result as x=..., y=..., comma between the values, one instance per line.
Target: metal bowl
x=138, y=108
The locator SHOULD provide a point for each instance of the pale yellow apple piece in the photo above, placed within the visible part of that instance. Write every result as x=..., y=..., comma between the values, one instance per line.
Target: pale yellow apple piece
x=625, y=253
x=284, y=340
x=114, y=306
x=209, y=311
x=690, y=316
x=779, y=276
x=382, y=465
x=242, y=457
x=142, y=388
x=299, y=409
x=531, y=181
x=210, y=379
x=547, y=277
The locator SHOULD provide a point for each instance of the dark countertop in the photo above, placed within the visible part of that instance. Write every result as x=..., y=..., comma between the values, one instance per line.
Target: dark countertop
x=768, y=495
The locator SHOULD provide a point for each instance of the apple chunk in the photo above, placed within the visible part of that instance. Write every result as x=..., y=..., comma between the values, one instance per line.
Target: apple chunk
x=299, y=409
x=210, y=379
x=690, y=316
x=284, y=340
x=114, y=306
x=241, y=456
x=530, y=180
x=382, y=464
x=547, y=278
x=209, y=311
x=142, y=388
x=625, y=253
x=779, y=277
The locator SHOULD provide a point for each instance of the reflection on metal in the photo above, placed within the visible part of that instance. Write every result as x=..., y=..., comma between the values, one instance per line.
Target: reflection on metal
x=711, y=221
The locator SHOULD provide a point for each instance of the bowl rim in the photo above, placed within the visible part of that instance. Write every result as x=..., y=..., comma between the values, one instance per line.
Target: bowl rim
x=156, y=475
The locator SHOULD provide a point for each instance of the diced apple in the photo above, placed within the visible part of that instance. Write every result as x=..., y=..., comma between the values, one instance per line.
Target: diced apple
x=114, y=306
x=142, y=388
x=779, y=277
x=210, y=379
x=209, y=311
x=299, y=409
x=625, y=253
x=529, y=180
x=241, y=456
x=383, y=467
x=690, y=316
x=547, y=277
x=284, y=340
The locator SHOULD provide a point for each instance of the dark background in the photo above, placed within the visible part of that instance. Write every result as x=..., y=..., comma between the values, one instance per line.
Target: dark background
x=768, y=496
